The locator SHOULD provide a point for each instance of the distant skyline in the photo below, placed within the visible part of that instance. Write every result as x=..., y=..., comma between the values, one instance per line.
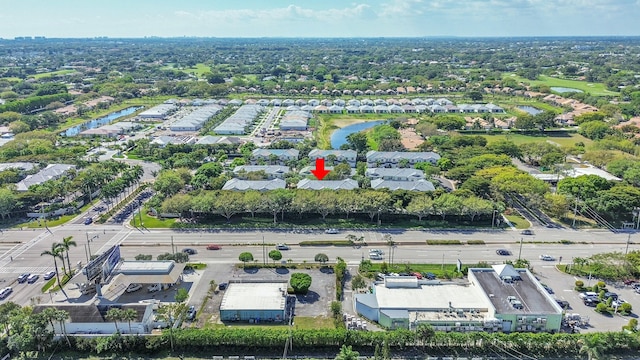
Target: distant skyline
x=315, y=18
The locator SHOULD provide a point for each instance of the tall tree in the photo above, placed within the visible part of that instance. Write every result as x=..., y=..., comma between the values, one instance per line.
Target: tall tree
x=55, y=253
x=66, y=245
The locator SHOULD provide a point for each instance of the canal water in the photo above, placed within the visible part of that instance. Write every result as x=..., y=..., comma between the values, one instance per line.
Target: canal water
x=95, y=123
x=339, y=137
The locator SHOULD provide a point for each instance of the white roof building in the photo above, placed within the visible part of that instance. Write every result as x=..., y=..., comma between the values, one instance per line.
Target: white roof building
x=51, y=172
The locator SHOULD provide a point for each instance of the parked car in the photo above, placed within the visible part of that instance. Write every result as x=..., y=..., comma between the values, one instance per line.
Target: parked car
x=48, y=275
x=332, y=231
x=563, y=304
x=33, y=278
x=612, y=295
x=282, y=247
x=23, y=277
x=549, y=290
x=417, y=274
x=503, y=252
x=133, y=287
x=429, y=276
x=191, y=314
x=547, y=257
x=214, y=247
x=189, y=251
x=526, y=232
x=222, y=286
x=588, y=294
x=154, y=288
x=591, y=301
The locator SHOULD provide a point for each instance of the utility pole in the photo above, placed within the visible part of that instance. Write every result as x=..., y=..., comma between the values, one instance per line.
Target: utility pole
x=173, y=250
x=88, y=245
x=264, y=256
x=626, y=251
x=140, y=212
x=520, y=251
x=575, y=213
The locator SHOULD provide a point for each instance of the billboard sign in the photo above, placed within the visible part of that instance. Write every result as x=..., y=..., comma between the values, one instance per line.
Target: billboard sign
x=94, y=268
x=111, y=262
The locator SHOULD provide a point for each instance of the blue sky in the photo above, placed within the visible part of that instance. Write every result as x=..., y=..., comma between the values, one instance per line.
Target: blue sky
x=317, y=18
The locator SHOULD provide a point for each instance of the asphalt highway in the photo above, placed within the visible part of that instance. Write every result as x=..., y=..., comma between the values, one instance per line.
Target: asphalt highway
x=20, y=250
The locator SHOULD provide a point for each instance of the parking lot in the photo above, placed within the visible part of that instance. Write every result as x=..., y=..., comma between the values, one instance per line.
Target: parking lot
x=563, y=289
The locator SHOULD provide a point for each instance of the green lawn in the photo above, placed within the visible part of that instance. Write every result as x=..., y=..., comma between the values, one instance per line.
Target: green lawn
x=560, y=138
x=596, y=89
x=518, y=221
x=198, y=70
x=52, y=73
x=152, y=222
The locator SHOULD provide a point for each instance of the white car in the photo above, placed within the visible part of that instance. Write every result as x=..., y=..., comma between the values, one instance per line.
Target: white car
x=332, y=231
x=48, y=275
x=134, y=287
x=282, y=247
x=376, y=251
x=547, y=258
x=154, y=288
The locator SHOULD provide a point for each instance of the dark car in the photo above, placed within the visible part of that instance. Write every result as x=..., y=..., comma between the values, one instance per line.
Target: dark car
x=429, y=276
x=563, y=304
x=549, y=290
x=526, y=232
x=23, y=277
x=88, y=221
x=612, y=295
x=213, y=247
x=222, y=286
x=591, y=301
x=189, y=251
x=503, y=252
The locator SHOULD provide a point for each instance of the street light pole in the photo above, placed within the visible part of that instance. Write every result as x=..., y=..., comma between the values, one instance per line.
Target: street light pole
x=493, y=218
x=626, y=251
x=88, y=245
x=520, y=251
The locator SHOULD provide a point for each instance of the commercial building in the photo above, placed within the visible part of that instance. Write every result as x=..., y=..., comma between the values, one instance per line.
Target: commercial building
x=254, y=301
x=499, y=298
x=89, y=318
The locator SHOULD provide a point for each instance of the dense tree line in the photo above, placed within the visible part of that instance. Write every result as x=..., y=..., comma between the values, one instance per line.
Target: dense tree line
x=300, y=203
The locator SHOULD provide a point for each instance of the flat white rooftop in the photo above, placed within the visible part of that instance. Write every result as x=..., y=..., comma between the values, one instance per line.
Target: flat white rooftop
x=432, y=297
x=255, y=296
x=146, y=267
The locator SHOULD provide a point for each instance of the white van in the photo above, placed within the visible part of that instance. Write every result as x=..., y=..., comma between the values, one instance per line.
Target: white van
x=154, y=287
x=588, y=294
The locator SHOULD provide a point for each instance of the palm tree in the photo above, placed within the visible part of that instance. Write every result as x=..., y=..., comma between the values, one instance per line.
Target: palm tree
x=114, y=314
x=55, y=252
x=62, y=316
x=129, y=315
x=66, y=244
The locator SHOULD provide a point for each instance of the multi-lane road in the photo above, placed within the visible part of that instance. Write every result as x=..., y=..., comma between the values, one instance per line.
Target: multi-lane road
x=20, y=250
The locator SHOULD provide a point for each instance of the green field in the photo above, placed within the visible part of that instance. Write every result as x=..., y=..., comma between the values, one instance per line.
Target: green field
x=596, y=89
x=52, y=74
x=198, y=70
x=561, y=138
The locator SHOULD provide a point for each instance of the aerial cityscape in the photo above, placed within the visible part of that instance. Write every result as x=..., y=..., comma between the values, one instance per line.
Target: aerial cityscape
x=283, y=179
